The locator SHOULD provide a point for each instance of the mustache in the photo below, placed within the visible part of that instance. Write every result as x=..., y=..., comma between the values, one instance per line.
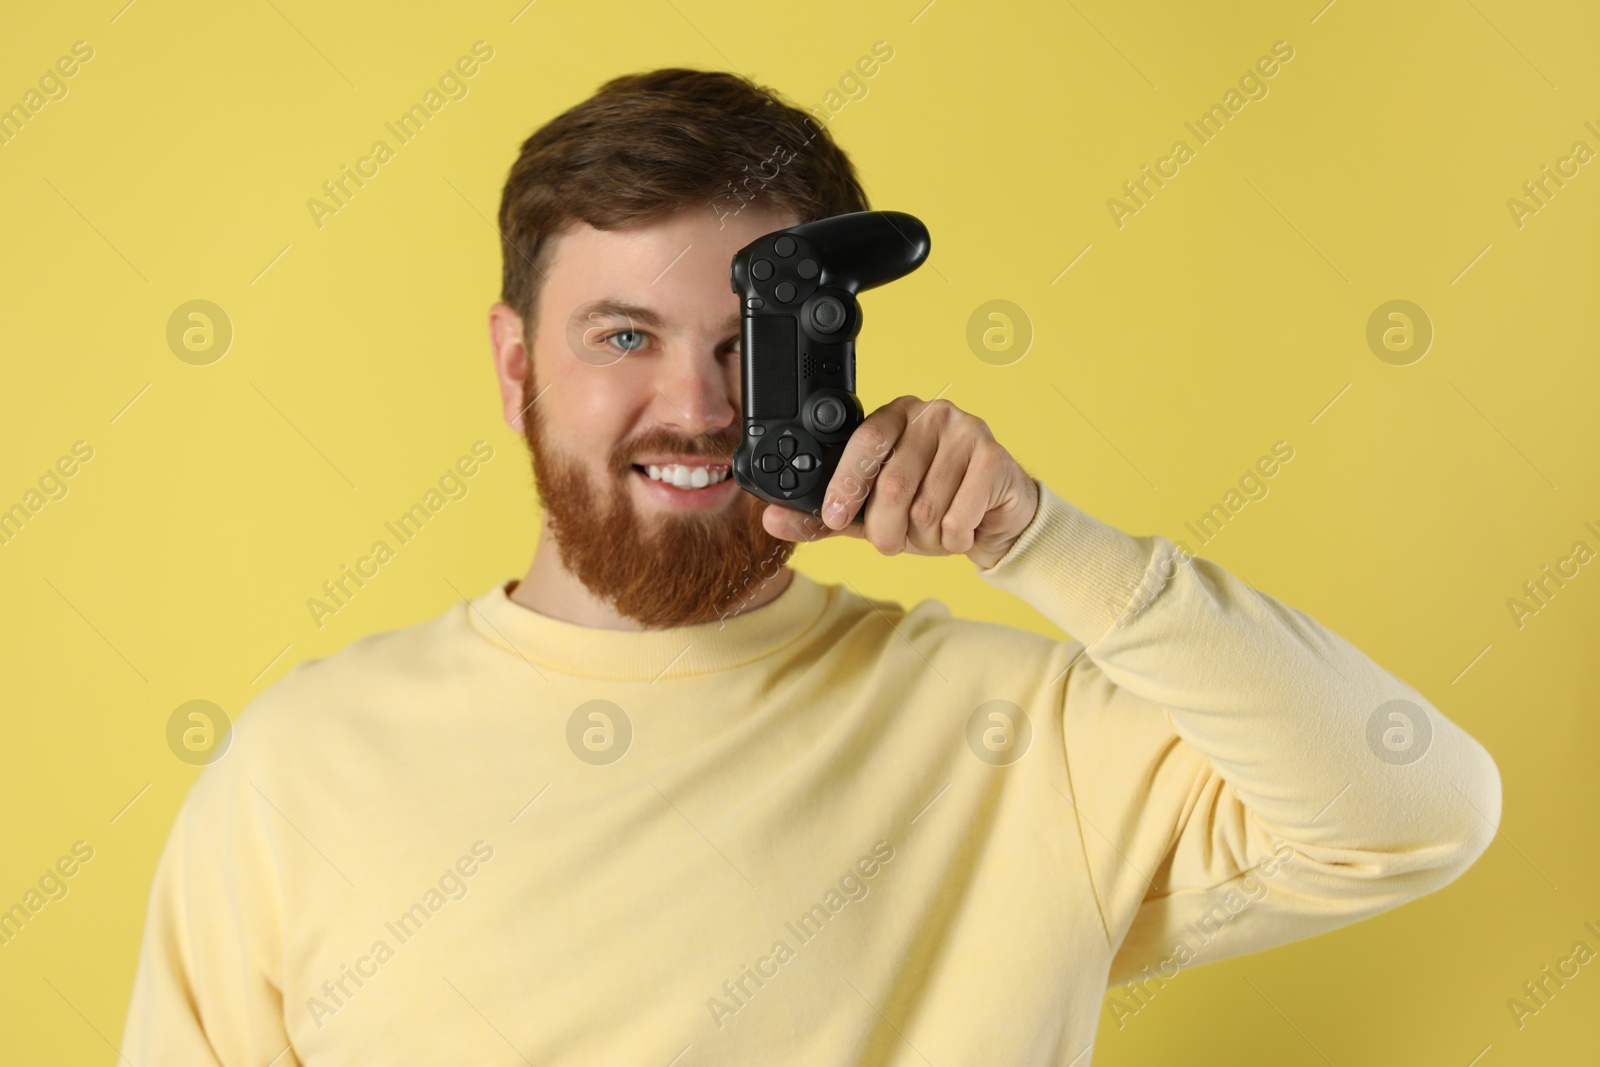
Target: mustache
x=712, y=446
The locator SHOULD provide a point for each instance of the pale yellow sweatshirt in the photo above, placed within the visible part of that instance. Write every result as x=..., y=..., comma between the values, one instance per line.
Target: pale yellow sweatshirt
x=827, y=831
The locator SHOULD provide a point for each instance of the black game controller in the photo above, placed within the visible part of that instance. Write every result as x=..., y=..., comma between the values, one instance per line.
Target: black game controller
x=797, y=290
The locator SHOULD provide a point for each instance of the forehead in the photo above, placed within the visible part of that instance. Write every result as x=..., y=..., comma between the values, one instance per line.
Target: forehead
x=676, y=263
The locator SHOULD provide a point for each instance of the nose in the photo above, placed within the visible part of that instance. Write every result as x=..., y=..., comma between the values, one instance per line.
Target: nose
x=697, y=390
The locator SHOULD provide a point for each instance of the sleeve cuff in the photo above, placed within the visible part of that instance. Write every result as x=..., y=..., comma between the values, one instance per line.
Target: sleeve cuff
x=1077, y=571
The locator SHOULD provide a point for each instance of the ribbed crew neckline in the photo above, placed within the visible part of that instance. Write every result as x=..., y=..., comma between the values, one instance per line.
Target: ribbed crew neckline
x=648, y=655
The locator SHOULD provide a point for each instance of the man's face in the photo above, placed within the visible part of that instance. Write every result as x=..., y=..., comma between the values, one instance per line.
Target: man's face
x=634, y=365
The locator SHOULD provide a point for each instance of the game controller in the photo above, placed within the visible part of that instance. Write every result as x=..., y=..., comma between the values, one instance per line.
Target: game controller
x=797, y=294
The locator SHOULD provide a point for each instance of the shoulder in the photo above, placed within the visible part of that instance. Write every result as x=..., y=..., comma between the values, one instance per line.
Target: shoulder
x=929, y=628
x=327, y=709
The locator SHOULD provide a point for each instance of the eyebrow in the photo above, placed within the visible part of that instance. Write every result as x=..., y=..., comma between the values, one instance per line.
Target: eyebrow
x=644, y=316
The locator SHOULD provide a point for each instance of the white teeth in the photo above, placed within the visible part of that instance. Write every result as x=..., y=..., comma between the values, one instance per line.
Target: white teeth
x=687, y=477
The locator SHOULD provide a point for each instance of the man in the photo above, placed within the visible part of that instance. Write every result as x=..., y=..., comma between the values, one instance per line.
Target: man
x=667, y=800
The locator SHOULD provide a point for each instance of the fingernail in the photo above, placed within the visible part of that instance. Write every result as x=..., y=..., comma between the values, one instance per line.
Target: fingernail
x=832, y=511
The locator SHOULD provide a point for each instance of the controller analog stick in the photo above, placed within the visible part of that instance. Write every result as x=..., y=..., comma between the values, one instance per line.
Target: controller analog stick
x=828, y=313
x=828, y=414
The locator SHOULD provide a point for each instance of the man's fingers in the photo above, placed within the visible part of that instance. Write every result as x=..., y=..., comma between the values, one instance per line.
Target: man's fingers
x=925, y=478
x=901, y=478
x=971, y=502
x=864, y=455
x=928, y=532
x=800, y=526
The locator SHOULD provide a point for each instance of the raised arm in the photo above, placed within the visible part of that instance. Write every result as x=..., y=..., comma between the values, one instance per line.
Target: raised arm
x=1231, y=762
x=1242, y=775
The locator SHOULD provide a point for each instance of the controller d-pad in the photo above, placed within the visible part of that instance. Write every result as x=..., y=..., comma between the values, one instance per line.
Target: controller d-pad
x=791, y=454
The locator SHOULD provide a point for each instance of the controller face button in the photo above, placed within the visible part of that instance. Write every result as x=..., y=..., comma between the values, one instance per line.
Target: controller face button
x=787, y=479
x=828, y=313
x=784, y=246
x=761, y=269
x=784, y=291
x=786, y=446
x=805, y=461
x=769, y=462
x=807, y=269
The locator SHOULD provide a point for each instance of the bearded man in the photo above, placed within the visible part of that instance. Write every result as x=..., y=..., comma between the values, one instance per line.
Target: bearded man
x=666, y=799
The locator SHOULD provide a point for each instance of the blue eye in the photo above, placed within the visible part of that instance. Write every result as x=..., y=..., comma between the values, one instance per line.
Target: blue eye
x=624, y=345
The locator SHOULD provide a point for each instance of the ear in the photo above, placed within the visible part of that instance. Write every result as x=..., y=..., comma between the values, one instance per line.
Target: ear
x=510, y=362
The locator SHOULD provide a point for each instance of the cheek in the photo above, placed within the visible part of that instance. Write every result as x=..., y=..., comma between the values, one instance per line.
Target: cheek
x=599, y=407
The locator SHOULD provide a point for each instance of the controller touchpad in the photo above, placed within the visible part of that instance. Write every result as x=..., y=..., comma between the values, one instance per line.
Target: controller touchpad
x=776, y=388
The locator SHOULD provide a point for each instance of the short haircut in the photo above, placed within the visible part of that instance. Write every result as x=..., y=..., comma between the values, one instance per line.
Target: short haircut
x=647, y=145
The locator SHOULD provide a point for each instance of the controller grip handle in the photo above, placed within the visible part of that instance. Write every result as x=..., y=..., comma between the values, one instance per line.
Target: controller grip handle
x=864, y=249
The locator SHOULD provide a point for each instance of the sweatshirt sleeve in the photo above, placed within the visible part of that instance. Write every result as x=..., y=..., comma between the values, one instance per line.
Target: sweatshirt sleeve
x=206, y=991
x=1240, y=776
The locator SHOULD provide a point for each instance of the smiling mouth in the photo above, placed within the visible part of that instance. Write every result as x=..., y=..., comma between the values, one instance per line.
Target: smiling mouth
x=681, y=476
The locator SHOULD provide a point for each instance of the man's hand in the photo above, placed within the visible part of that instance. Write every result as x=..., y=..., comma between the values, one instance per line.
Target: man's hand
x=939, y=485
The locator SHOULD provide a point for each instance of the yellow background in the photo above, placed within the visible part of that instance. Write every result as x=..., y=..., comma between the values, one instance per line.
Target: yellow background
x=1225, y=316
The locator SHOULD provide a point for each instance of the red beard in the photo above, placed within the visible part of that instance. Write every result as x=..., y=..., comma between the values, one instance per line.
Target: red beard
x=677, y=570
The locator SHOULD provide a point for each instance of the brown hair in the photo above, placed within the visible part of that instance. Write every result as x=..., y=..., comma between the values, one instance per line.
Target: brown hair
x=646, y=145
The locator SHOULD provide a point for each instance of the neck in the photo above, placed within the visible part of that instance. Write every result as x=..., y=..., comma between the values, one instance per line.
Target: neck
x=550, y=589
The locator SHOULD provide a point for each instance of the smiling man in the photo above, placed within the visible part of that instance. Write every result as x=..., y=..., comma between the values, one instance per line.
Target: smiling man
x=632, y=415
x=665, y=799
